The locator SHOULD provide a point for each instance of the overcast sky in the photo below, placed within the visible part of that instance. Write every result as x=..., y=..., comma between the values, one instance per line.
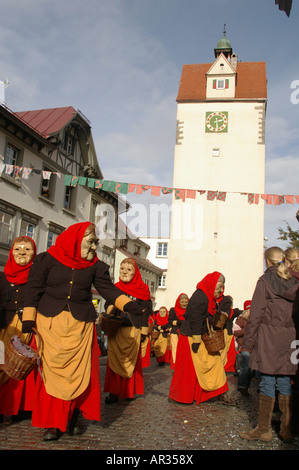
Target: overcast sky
x=120, y=62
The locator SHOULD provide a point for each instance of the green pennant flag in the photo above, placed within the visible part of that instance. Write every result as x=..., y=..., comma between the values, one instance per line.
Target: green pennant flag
x=67, y=180
x=91, y=182
x=122, y=188
x=82, y=180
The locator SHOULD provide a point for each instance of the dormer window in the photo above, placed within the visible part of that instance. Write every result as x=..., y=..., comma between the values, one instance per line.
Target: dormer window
x=220, y=84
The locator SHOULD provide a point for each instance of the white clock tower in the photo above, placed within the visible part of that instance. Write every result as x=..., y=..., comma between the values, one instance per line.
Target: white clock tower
x=218, y=223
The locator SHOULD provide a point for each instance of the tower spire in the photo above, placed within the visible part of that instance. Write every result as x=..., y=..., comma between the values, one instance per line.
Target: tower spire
x=223, y=46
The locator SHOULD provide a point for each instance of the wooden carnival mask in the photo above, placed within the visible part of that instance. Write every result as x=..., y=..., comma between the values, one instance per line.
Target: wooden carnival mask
x=22, y=252
x=126, y=271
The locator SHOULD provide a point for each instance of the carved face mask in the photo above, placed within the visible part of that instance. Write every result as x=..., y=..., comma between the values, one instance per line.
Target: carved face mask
x=89, y=246
x=183, y=301
x=162, y=312
x=219, y=289
x=23, y=253
x=126, y=272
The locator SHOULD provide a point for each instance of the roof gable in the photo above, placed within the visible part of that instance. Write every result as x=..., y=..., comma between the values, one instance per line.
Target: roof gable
x=47, y=121
x=221, y=66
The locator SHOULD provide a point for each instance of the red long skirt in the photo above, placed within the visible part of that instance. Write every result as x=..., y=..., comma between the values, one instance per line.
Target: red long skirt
x=123, y=387
x=51, y=412
x=146, y=359
x=230, y=365
x=18, y=395
x=184, y=387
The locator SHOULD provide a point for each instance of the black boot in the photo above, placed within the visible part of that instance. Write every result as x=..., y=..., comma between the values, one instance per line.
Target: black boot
x=76, y=426
x=52, y=434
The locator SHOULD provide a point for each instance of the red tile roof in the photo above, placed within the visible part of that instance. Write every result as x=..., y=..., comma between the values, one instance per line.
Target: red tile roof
x=251, y=81
x=47, y=121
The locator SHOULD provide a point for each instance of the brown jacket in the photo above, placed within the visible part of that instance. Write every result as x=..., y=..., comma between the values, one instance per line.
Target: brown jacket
x=270, y=330
x=11, y=300
x=53, y=287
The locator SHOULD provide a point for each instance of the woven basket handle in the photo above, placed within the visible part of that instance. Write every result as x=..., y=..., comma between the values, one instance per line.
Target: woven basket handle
x=210, y=329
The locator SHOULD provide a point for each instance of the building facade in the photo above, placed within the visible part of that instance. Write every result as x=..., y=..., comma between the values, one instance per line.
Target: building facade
x=158, y=255
x=220, y=153
x=37, y=150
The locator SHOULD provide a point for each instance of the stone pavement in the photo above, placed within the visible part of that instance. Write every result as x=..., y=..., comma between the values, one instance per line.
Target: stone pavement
x=152, y=423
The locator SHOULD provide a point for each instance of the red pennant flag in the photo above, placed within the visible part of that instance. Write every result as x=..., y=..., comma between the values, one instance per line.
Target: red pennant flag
x=277, y=200
x=250, y=198
x=267, y=198
x=132, y=188
x=180, y=194
x=191, y=193
x=211, y=195
x=155, y=190
x=289, y=199
x=221, y=196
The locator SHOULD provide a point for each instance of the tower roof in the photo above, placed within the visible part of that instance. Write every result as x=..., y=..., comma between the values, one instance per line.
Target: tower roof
x=224, y=43
x=251, y=81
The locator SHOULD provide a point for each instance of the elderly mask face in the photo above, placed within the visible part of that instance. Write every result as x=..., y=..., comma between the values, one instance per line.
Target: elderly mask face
x=89, y=246
x=162, y=312
x=126, y=272
x=23, y=253
x=183, y=301
x=219, y=289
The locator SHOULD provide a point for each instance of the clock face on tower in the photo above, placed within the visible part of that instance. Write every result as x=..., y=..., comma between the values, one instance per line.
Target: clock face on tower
x=216, y=121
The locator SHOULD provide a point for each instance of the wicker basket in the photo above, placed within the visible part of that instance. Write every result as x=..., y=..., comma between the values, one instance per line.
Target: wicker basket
x=213, y=340
x=155, y=334
x=18, y=366
x=110, y=324
x=219, y=320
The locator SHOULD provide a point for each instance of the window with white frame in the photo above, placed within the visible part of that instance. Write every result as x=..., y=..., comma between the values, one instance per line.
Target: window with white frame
x=27, y=229
x=162, y=280
x=162, y=249
x=11, y=155
x=53, y=232
x=5, y=227
x=69, y=199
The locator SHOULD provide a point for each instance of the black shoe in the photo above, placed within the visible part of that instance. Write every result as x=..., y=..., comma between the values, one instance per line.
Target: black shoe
x=111, y=399
x=243, y=391
x=76, y=426
x=51, y=434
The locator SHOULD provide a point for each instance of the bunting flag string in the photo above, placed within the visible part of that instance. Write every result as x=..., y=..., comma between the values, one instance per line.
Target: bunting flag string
x=125, y=188
x=179, y=193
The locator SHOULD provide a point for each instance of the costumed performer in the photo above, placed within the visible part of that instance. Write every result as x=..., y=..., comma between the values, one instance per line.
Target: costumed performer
x=198, y=375
x=162, y=343
x=59, y=303
x=16, y=396
x=124, y=377
x=176, y=316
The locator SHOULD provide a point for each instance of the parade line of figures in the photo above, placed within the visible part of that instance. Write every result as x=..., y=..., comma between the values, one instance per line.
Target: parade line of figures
x=46, y=303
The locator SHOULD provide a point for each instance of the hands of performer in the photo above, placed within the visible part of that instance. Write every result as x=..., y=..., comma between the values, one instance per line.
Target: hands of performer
x=196, y=343
x=133, y=308
x=27, y=326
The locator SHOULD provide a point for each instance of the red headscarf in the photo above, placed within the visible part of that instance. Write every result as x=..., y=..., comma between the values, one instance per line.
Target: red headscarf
x=162, y=320
x=208, y=286
x=137, y=288
x=14, y=273
x=178, y=309
x=67, y=248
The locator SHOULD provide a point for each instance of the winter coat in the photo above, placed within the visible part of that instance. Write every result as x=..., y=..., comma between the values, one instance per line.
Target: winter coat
x=270, y=329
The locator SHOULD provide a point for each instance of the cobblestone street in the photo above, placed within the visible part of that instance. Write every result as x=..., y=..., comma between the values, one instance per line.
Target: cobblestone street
x=154, y=424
